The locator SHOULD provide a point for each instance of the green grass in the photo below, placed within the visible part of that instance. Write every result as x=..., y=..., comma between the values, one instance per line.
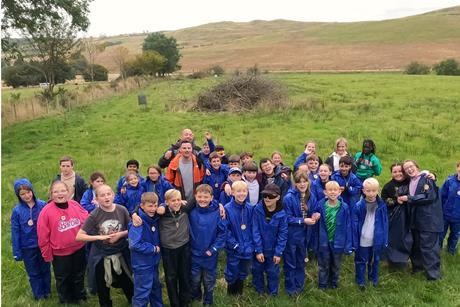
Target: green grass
x=407, y=116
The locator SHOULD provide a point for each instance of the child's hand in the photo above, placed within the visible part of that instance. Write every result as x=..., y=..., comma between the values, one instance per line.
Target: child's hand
x=183, y=202
x=276, y=259
x=157, y=249
x=222, y=211
x=161, y=210
x=228, y=189
x=105, y=237
x=123, y=190
x=260, y=257
x=284, y=176
x=137, y=221
x=114, y=237
x=307, y=151
x=208, y=135
x=208, y=172
x=309, y=221
x=208, y=253
x=402, y=199
x=316, y=216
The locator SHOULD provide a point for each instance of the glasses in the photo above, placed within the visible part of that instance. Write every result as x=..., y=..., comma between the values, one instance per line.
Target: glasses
x=270, y=196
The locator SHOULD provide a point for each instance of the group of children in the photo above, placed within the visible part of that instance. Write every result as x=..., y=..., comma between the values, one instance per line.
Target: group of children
x=260, y=218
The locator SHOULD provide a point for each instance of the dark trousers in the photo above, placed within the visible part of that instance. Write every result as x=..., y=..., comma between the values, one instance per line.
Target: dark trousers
x=176, y=264
x=294, y=267
x=38, y=271
x=120, y=281
x=370, y=257
x=453, y=236
x=268, y=268
x=69, y=272
x=425, y=253
x=329, y=267
x=204, y=269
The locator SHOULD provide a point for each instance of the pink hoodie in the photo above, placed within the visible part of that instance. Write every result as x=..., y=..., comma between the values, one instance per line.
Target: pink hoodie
x=57, y=229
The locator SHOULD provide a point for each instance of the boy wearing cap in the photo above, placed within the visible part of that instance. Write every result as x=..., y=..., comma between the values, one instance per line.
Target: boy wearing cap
x=234, y=174
x=250, y=177
x=217, y=174
x=239, y=244
x=269, y=231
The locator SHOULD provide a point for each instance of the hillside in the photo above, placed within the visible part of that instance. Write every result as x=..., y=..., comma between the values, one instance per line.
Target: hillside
x=291, y=45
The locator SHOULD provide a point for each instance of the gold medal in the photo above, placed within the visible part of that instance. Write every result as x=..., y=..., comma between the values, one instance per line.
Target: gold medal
x=243, y=226
x=30, y=222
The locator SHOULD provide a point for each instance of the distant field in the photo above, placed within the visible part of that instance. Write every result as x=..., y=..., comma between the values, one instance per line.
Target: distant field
x=284, y=45
x=407, y=116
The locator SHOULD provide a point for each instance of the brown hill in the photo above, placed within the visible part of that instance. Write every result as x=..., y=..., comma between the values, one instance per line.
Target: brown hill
x=283, y=45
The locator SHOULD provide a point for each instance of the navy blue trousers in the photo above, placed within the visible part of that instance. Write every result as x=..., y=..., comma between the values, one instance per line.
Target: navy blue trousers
x=204, y=269
x=39, y=272
x=367, y=256
x=268, y=268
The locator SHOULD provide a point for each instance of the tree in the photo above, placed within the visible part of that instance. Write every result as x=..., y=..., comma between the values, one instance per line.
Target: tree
x=148, y=63
x=96, y=72
x=416, y=68
x=447, y=67
x=165, y=46
x=121, y=56
x=92, y=49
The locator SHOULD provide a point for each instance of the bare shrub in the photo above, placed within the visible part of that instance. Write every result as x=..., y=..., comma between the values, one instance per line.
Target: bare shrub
x=241, y=93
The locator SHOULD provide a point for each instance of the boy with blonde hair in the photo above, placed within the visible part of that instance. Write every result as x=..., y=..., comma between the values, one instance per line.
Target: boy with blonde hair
x=239, y=243
x=370, y=232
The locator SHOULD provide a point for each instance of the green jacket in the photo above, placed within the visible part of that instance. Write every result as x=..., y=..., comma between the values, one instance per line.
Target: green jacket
x=367, y=166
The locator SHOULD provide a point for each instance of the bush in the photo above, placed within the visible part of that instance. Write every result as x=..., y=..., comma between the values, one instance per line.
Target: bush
x=447, y=67
x=198, y=75
x=216, y=70
x=100, y=73
x=240, y=93
x=416, y=68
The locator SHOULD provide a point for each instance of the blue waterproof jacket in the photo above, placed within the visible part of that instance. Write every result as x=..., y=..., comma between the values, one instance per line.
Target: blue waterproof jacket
x=131, y=198
x=352, y=187
x=160, y=187
x=297, y=230
x=24, y=235
x=317, y=189
x=239, y=242
x=122, y=182
x=216, y=179
x=207, y=232
x=343, y=240
x=142, y=242
x=86, y=200
x=380, y=224
x=270, y=237
x=450, y=195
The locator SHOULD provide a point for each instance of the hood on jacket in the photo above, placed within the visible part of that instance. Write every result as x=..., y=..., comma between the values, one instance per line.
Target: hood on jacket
x=23, y=182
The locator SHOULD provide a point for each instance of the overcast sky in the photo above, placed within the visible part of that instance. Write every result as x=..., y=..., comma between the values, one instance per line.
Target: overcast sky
x=111, y=17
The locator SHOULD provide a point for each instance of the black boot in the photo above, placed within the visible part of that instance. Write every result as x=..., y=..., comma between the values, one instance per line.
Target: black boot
x=239, y=287
x=231, y=289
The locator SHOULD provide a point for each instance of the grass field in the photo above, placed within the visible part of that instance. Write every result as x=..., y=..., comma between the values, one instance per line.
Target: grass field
x=407, y=116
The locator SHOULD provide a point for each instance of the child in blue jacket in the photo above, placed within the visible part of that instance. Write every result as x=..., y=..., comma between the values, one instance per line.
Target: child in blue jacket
x=450, y=195
x=370, y=233
x=144, y=243
x=318, y=185
x=299, y=203
x=156, y=182
x=270, y=231
x=24, y=238
x=234, y=174
x=350, y=185
x=130, y=195
x=216, y=174
x=207, y=236
x=239, y=242
x=88, y=200
x=334, y=236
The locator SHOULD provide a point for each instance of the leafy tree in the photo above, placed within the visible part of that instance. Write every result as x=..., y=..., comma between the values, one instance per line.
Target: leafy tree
x=165, y=46
x=148, y=63
x=416, y=68
x=121, y=56
x=447, y=67
x=96, y=72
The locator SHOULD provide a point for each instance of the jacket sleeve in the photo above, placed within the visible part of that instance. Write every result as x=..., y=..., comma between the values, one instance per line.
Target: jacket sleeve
x=349, y=241
x=230, y=240
x=376, y=165
x=163, y=162
x=288, y=207
x=136, y=243
x=44, y=233
x=282, y=237
x=211, y=145
x=169, y=175
x=355, y=225
x=219, y=243
x=425, y=197
x=300, y=159
x=256, y=237
x=86, y=201
x=356, y=186
x=445, y=192
x=15, y=235
x=119, y=199
x=385, y=226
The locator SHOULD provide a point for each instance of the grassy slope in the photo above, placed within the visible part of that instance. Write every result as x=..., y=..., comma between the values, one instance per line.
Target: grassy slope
x=292, y=45
x=407, y=116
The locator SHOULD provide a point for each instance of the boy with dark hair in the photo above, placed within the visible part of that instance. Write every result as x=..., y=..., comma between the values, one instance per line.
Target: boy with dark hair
x=207, y=237
x=272, y=174
x=131, y=166
x=250, y=177
x=350, y=185
x=221, y=152
x=218, y=174
x=234, y=161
